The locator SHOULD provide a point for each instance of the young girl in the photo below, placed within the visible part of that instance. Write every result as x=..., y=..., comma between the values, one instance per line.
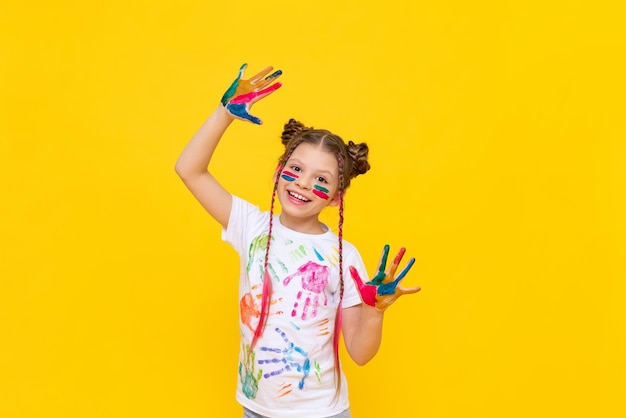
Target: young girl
x=294, y=298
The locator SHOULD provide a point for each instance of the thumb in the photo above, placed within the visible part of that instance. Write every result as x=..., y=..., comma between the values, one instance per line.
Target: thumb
x=367, y=292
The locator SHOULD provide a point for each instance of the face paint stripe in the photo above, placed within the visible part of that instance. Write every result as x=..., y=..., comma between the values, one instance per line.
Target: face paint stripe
x=321, y=194
x=289, y=176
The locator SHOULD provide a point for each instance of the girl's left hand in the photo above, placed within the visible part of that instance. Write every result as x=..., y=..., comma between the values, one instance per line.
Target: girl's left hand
x=383, y=290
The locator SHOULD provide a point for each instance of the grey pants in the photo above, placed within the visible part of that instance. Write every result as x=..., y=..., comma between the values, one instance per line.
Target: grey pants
x=249, y=414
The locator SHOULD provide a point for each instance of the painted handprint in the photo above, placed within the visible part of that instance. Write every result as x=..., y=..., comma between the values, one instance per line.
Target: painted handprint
x=249, y=309
x=242, y=94
x=248, y=377
x=287, y=358
x=383, y=290
x=314, y=280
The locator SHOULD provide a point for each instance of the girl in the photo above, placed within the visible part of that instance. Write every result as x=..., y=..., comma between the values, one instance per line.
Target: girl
x=294, y=300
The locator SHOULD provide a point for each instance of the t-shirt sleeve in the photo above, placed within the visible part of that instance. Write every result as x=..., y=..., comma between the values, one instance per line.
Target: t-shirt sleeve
x=243, y=218
x=351, y=295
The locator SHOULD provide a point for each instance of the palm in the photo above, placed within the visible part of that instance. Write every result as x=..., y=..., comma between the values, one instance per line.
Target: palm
x=384, y=289
x=242, y=94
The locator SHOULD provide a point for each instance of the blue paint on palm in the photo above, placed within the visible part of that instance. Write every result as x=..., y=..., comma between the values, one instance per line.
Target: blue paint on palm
x=390, y=288
x=240, y=111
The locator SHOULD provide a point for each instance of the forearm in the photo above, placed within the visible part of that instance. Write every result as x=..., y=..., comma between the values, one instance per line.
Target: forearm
x=364, y=341
x=196, y=156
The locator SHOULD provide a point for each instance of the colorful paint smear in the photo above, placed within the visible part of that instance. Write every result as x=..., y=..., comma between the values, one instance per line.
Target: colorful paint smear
x=290, y=356
x=314, y=279
x=289, y=176
x=321, y=192
x=243, y=93
x=248, y=377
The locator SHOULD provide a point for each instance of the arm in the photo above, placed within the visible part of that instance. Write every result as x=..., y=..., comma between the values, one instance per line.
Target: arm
x=362, y=332
x=192, y=166
x=363, y=324
x=193, y=162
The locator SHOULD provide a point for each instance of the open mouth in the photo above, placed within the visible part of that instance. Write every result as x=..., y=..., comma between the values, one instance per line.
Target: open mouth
x=298, y=197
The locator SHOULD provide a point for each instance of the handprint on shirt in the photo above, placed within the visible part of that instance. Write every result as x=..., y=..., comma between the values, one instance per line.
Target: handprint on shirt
x=314, y=279
x=256, y=251
x=248, y=309
x=242, y=94
x=384, y=289
x=249, y=381
x=287, y=358
x=249, y=306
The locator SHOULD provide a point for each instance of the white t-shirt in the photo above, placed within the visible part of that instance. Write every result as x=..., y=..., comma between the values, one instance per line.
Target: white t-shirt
x=291, y=371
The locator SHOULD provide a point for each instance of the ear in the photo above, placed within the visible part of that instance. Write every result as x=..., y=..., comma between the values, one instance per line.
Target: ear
x=334, y=201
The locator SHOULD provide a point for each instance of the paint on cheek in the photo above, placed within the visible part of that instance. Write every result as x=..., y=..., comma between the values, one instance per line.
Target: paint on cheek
x=320, y=191
x=289, y=176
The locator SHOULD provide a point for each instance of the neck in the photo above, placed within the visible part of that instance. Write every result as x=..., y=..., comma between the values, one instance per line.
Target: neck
x=305, y=226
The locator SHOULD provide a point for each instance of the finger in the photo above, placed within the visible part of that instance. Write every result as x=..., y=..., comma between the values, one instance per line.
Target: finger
x=241, y=112
x=265, y=92
x=399, y=256
x=383, y=259
x=274, y=75
x=244, y=98
x=242, y=70
x=394, y=265
x=233, y=86
x=355, y=276
x=405, y=270
x=260, y=75
x=408, y=291
x=253, y=119
x=253, y=96
x=268, y=80
x=368, y=293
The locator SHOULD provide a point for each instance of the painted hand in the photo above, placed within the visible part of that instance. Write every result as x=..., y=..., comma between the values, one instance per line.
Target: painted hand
x=384, y=289
x=242, y=94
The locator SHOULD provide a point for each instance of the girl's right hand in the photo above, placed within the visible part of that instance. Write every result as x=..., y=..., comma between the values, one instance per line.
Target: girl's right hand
x=242, y=94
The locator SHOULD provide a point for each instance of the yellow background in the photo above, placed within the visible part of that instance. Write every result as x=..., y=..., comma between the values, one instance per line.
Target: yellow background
x=499, y=160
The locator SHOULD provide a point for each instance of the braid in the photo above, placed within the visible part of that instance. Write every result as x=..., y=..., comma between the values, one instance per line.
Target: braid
x=340, y=229
x=267, y=279
x=338, y=320
x=266, y=294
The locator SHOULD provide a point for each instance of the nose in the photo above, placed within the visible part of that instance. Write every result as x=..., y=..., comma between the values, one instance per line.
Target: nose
x=303, y=182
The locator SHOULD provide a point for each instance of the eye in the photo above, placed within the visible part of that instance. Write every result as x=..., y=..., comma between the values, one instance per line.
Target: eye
x=321, y=179
x=295, y=168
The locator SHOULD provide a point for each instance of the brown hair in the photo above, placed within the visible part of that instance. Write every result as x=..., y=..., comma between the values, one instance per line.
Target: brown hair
x=354, y=156
x=352, y=161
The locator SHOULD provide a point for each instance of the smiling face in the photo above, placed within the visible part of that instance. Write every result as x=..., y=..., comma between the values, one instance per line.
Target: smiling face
x=308, y=183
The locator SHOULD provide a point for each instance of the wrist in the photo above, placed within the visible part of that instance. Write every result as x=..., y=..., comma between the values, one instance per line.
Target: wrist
x=372, y=312
x=223, y=114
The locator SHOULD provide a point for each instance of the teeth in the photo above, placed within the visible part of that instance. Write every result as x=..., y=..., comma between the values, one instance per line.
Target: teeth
x=299, y=196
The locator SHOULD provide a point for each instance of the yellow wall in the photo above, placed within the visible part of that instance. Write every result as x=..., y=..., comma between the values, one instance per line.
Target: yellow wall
x=499, y=160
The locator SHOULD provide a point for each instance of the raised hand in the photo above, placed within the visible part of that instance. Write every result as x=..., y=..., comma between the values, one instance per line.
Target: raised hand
x=384, y=289
x=242, y=94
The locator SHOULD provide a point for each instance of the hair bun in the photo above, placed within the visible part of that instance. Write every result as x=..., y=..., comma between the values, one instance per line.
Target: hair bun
x=358, y=153
x=292, y=129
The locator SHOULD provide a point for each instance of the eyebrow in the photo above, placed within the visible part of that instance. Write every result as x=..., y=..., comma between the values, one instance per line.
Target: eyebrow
x=297, y=161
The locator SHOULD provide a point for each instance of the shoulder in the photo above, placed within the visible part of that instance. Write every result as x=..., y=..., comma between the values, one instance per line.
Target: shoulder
x=245, y=220
x=350, y=248
x=243, y=209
